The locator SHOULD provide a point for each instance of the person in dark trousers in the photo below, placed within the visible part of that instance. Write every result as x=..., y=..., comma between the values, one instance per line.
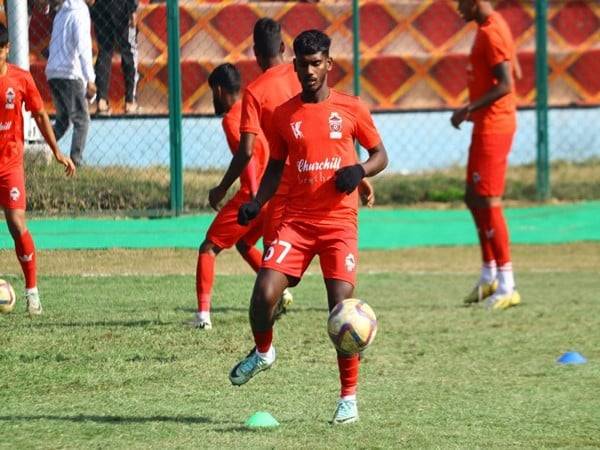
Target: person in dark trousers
x=115, y=25
x=70, y=71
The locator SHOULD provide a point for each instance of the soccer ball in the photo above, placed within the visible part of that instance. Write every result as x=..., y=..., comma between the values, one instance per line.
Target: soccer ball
x=352, y=326
x=7, y=297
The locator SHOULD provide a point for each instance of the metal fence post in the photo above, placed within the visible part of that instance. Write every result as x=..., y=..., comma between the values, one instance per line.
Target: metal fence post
x=356, y=55
x=356, y=46
x=174, y=66
x=541, y=70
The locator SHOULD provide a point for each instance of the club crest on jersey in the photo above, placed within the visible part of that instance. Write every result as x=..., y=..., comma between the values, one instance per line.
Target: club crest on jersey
x=350, y=262
x=335, y=126
x=14, y=194
x=10, y=99
x=296, y=129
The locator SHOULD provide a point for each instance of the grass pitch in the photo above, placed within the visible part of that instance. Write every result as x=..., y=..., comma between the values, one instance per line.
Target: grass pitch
x=111, y=364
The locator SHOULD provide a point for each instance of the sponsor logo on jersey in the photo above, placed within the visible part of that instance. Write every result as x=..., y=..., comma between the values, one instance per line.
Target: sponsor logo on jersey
x=14, y=194
x=328, y=164
x=350, y=262
x=5, y=126
x=10, y=99
x=296, y=129
x=335, y=126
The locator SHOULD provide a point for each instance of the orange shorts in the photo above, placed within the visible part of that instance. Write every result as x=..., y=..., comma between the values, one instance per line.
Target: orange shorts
x=225, y=231
x=273, y=213
x=298, y=242
x=12, y=189
x=488, y=159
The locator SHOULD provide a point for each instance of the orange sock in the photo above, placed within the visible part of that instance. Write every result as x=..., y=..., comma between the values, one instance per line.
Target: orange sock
x=480, y=216
x=25, y=250
x=263, y=340
x=205, y=277
x=500, y=239
x=253, y=257
x=348, y=367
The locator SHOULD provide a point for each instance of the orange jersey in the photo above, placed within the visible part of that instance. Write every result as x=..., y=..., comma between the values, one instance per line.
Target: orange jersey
x=493, y=45
x=318, y=139
x=260, y=157
x=17, y=88
x=272, y=88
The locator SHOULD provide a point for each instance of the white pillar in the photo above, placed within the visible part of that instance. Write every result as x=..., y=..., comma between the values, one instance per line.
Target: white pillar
x=18, y=35
x=18, y=32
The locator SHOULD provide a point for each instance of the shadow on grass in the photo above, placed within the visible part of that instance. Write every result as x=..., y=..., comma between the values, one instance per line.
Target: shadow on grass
x=213, y=309
x=108, y=419
x=293, y=309
x=103, y=323
x=125, y=420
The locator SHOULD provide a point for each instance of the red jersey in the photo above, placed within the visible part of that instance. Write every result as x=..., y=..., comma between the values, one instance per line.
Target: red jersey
x=493, y=45
x=260, y=157
x=17, y=88
x=272, y=88
x=318, y=139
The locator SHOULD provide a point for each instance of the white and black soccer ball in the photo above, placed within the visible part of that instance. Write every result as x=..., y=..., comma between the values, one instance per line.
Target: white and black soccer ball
x=7, y=297
x=352, y=326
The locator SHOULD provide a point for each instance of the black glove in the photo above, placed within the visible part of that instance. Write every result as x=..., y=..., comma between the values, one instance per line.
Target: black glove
x=348, y=178
x=248, y=211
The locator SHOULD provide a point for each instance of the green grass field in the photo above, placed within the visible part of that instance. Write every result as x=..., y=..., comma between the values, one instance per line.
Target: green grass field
x=111, y=365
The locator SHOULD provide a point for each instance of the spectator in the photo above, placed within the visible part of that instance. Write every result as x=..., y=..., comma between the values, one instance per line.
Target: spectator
x=115, y=23
x=70, y=71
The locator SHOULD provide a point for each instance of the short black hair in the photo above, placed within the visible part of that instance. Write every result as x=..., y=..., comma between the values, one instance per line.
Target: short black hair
x=3, y=35
x=267, y=37
x=310, y=42
x=227, y=76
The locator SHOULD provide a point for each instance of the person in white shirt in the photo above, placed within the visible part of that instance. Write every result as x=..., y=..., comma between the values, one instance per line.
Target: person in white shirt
x=70, y=71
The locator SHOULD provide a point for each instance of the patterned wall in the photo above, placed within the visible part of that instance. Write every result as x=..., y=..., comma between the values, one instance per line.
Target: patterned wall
x=413, y=53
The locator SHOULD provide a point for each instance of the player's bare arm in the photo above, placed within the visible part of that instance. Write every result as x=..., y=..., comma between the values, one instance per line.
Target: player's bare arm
x=266, y=190
x=377, y=161
x=236, y=167
x=43, y=123
x=366, y=193
x=503, y=87
x=270, y=181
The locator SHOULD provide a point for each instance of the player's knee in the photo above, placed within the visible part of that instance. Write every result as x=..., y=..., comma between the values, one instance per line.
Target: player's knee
x=16, y=231
x=264, y=298
x=208, y=247
x=16, y=225
x=242, y=247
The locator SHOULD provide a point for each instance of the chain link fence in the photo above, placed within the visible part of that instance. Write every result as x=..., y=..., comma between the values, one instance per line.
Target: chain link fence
x=412, y=62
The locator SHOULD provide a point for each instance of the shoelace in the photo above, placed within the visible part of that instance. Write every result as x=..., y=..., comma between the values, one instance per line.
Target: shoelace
x=344, y=408
x=32, y=299
x=249, y=363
